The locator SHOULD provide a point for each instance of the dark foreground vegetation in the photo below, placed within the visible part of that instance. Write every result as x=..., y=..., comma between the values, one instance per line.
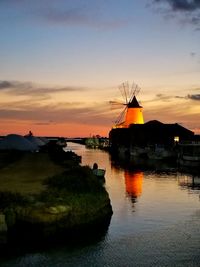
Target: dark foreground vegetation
x=43, y=199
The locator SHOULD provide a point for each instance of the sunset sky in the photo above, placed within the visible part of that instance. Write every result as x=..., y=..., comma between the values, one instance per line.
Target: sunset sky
x=61, y=62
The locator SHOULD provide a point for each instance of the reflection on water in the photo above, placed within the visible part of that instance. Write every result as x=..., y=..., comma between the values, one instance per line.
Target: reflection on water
x=133, y=181
x=161, y=227
x=190, y=181
x=63, y=241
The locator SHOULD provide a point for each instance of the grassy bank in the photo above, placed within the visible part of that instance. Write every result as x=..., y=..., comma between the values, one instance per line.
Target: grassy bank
x=36, y=191
x=25, y=172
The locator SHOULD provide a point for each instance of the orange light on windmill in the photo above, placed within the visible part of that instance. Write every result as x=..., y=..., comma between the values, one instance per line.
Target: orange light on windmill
x=134, y=113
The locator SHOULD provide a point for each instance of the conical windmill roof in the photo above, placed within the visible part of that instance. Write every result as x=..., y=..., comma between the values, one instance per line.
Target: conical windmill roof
x=17, y=142
x=134, y=103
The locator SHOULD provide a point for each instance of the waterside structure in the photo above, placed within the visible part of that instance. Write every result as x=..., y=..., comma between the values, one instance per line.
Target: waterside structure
x=97, y=142
x=189, y=154
x=153, y=140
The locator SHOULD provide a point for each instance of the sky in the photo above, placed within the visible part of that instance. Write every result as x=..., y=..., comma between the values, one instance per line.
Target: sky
x=62, y=62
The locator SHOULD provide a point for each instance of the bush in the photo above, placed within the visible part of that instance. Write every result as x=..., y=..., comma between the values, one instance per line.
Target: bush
x=78, y=180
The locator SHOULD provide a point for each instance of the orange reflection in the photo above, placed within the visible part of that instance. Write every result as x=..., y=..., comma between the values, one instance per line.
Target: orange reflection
x=133, y=183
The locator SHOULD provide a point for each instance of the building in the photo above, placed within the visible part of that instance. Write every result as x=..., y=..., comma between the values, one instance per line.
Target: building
x=152, y=135
x=153, y=139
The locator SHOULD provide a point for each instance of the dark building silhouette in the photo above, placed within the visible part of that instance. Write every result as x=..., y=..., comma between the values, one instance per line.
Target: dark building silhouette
x=148, y=134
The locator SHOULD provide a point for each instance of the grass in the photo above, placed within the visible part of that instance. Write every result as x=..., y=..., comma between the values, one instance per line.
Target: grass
x=26, y=174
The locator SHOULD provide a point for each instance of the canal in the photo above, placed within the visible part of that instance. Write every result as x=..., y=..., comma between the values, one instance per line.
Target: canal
x=155, y=222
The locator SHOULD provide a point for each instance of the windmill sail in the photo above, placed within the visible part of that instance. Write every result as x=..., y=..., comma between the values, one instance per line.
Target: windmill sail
x=121, y=116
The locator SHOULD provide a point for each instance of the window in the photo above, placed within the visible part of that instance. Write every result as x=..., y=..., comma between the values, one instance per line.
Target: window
x=176, y=139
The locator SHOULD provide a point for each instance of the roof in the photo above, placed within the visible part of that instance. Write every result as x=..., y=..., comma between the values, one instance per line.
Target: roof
x=134, y=103
x=35, y=140
x=17, y=142
x=153, y=122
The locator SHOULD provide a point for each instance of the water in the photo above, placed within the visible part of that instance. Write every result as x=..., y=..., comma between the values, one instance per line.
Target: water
x=155, y=222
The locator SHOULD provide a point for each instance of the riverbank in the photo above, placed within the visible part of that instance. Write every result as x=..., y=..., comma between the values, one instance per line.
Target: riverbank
x=42, y=200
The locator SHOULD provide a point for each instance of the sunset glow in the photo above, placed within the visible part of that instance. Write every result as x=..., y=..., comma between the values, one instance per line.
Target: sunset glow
x=62, y=63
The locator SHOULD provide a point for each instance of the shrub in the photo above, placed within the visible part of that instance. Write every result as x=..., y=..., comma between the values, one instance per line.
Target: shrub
x=77, y=179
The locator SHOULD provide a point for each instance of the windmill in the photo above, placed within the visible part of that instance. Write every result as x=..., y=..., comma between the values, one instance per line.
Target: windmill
x=132, y=112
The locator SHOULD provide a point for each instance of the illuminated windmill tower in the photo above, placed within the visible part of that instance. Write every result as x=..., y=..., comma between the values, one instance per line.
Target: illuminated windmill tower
x=132, y=113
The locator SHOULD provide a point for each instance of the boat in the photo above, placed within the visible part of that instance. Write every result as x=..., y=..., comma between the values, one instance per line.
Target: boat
x=189, y=154
x=99, y=172
x=92, y=142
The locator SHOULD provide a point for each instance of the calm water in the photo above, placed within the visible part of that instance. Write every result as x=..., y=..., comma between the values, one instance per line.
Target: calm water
x=156, y=222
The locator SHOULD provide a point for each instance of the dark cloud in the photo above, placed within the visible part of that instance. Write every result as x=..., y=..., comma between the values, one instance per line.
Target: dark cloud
x=73, y=16
x=194, y=97
x=96, y=114
x=32, y=89
x=180, y=97
x=182, y=5
x=189, y=10
x=67, y=13
x=164, y=97
x=79, y=17
x=168, y=98
x=39, y=112
x=5, y=85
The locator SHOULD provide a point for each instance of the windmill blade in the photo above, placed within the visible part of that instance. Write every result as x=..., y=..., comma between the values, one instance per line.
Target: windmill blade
x=121, y=89
x=128, y=91
x=116, y=105
x=121, y=116
x=138, y=90
x=132, y=92
x=125, y=92
x=135, y=89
